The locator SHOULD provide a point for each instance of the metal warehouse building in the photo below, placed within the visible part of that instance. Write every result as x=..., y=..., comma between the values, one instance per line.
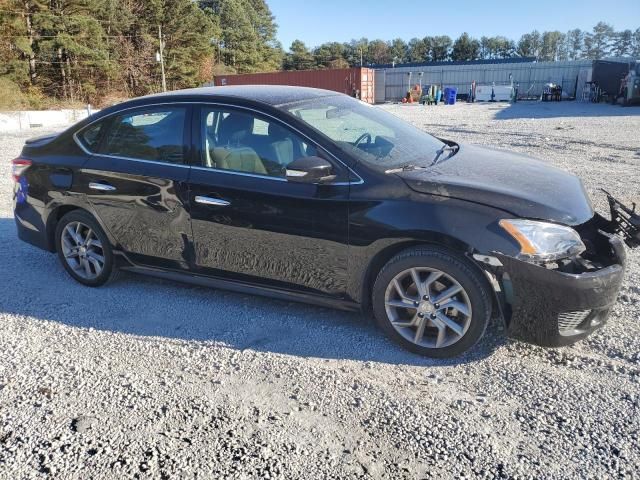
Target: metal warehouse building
x=392, y=83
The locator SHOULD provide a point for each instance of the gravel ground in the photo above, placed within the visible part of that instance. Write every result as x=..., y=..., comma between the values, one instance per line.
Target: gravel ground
x=144, y=379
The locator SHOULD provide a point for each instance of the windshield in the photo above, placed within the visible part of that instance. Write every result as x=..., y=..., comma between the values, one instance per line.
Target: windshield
x=372, y=135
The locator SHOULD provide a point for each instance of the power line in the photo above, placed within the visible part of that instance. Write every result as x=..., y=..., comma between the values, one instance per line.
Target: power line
x=39, y=12
x=37, y=36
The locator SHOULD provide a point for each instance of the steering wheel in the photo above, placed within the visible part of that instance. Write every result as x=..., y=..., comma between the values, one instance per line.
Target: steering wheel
x=361, y=138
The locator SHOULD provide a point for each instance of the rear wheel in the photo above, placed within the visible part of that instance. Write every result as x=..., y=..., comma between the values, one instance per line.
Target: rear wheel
x=432, y=302
x=84, y=249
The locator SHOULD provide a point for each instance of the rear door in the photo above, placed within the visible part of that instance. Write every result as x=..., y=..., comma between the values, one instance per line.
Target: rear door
x=137, y=182
x=249, y=222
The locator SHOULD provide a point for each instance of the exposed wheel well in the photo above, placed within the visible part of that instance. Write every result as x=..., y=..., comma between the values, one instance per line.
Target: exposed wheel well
x=52, y=223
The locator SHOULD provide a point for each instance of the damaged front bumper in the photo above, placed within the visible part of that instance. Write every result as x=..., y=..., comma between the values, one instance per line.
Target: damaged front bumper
x=560, y=303
x=551, y=307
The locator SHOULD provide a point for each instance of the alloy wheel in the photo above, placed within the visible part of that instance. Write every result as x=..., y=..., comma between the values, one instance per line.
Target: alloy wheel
x=428, y=307
x=82, y=250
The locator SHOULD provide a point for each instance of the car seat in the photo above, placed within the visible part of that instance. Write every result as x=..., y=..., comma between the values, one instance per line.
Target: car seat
x=280, y=148
x=240, y=159
x=234, y=151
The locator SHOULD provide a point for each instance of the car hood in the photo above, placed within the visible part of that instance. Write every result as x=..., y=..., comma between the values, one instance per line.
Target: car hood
x=513, y=182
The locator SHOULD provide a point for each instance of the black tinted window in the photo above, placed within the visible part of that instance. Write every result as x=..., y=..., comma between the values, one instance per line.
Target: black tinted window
x=148, y=135
x=90, y=136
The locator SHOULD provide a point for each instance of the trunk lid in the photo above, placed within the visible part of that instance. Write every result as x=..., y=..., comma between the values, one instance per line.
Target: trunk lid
x=41, y=140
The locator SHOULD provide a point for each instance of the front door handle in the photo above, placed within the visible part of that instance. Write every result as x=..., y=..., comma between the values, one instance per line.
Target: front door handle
x=103, y=187
x=211, y=201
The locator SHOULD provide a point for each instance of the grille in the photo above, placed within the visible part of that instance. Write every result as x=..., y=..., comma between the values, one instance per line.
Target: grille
x=570, y=320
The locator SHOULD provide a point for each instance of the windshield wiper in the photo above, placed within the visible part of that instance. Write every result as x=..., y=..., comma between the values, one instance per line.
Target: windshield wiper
x=445, y=148
x=404, y=168
x=409, y=167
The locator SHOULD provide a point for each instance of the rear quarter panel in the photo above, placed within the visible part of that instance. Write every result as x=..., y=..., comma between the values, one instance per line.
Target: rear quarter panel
x=49, y=185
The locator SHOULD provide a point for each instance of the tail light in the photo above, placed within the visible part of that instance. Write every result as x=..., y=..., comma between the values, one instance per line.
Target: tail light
x=18, y=167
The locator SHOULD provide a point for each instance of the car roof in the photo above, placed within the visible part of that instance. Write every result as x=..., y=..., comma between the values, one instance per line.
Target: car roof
x=275, y=95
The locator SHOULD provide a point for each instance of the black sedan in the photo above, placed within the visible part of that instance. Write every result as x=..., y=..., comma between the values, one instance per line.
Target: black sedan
x=310, y=195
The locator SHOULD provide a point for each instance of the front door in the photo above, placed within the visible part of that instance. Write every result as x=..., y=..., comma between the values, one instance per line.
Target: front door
x=251, y=224
x=137, y=183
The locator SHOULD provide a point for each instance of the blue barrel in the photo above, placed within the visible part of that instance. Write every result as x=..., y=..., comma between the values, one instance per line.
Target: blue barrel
x=450, y=95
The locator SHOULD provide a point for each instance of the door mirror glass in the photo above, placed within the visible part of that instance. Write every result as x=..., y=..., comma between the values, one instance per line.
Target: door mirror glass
x=310, y=170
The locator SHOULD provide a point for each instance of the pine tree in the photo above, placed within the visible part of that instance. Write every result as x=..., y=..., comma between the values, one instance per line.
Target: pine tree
x=418, y=50
x=379, y=52
x=187, y=33
x=530, y=44
x=73, y=45
x=299, y=57
x=505, y=48
x=485, y=47
x=399, y=50
x=18, y=43
x=574, y=44
x=465, y=48
x=551, y=45
x=623, y=43
x=599, y=42
x=263, y=22
x=355, y=50
x=132, y=39
x=330, y=55
x=440, y=47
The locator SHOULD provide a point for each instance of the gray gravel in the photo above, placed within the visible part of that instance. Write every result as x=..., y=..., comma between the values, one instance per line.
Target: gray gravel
x=146, y=379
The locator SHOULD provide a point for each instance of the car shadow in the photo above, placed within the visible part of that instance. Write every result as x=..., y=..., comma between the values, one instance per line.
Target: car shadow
x=536, y=109
x=34, y=284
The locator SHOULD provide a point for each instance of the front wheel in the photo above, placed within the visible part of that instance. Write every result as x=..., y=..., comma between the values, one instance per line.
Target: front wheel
x=84, y=249
x=432, y=302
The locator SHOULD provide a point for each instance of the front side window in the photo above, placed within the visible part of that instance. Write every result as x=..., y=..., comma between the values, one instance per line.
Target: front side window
x=243, y=142
x=369, y=133
x=154, y=134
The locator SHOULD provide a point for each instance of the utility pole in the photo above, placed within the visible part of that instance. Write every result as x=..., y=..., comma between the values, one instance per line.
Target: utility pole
x=361, y=56
x=164, y=80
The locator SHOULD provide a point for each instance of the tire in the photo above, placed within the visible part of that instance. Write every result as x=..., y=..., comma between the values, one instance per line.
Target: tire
x=451, y=328
x=98, y=248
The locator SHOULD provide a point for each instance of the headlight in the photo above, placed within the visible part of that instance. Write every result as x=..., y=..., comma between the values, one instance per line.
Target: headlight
x=542, y=241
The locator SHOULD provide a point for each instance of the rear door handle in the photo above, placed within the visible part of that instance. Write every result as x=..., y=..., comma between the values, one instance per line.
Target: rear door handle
x=211, y=201
x=103, y=187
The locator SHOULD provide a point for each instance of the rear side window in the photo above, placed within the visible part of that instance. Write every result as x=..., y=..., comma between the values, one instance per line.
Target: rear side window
x=153, y=134
x=90, y=136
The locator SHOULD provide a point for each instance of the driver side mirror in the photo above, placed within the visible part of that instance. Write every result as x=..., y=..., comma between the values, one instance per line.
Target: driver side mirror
x=310, y=170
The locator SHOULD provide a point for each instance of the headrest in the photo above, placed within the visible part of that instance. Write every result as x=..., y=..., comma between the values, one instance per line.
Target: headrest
x=234, y=127
x=277, y=132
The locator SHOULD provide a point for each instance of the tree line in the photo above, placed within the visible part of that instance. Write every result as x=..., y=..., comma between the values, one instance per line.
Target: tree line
x=86, y=50
x=602, y=41
x=98, y=50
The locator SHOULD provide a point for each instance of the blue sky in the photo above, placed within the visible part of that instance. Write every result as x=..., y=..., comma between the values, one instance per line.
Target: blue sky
x=318, y=21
